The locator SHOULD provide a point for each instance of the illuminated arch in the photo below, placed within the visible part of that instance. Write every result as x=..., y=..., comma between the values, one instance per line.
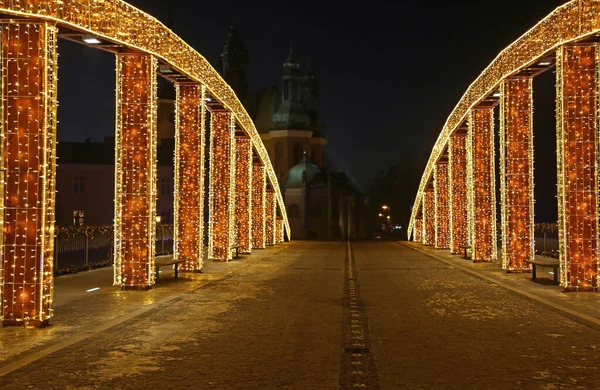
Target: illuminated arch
x=117, y=22
x=571, y=22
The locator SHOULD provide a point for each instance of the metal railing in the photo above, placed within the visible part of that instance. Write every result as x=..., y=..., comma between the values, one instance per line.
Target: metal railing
x=87, y=247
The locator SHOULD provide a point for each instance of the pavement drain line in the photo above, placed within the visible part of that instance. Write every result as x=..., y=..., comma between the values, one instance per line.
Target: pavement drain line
x=588, y=320
x=37, y=355
x=357, y=366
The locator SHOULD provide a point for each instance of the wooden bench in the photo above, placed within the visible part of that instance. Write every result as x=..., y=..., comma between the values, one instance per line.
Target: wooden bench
x=545, y=262
x=237, y=250
x=165, y=260
x=465, y=247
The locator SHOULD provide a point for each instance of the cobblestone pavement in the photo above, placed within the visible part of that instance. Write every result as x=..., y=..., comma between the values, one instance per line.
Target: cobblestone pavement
x=277, y=319
x=435, y=327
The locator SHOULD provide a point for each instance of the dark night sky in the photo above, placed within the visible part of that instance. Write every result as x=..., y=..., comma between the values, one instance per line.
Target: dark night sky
x=390, y=74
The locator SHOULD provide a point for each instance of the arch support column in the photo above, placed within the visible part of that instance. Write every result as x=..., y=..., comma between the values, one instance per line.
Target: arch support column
x=429, y=217
x=190, y=117
x=135, y=171
x=259, y=189
x=442, y=211
x=457, y=167
x=270, y=218
x=221, y=233
x=243, y=193
x=516, y=173
x=481, y=184
x=27, y=171
x=418, y=234
x=577, y=154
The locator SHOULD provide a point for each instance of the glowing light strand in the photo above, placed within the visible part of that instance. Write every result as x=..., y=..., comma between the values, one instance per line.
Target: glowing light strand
x=243, y=191
x=27, y=168
x=189, y=175
x=577, y=127
x=457, y=166
x=135, y=171
x=442, y=209
x=481, y=185
x=118, y=22
x=516, y=173
x=567, y=23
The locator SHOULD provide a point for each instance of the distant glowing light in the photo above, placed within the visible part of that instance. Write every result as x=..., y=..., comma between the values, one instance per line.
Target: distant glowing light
x=93, y=289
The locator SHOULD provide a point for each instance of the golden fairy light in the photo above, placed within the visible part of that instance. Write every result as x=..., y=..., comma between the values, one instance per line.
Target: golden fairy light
x=429, y=218
x=577, y=153
x=243, y=193
x=270, y=218
x=190, y=114
x=457, y=166
x=28, y=173
x=516, y=173
x=418, y=234
x=442, y=206
x=570, y=22
x=221, y=231
x=259, y=189
x=135, y=171
x=481, y=184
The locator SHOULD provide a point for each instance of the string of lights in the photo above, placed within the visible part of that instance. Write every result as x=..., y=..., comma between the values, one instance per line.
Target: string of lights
x=457, y=166
x=27, y=170
x=118, y=22
x=243, y=193
x=270, y=218
x=567, y=23
x=259, y=189
x=516, y=173
x=442, y=209
x=135, y=171
x=189, y=175
x=481, y=185
x=221, y=231
x=418, y=234
x=577, y=83
x=429, y=218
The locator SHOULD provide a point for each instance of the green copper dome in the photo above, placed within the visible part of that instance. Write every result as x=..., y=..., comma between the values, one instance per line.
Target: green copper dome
x=295, y=176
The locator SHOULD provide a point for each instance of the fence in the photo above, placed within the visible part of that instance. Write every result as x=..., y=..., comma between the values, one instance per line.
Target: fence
x=80, y=248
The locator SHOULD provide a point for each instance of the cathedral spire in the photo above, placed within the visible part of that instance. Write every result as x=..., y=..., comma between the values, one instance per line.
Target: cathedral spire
x=291, y=113
x=235, y=63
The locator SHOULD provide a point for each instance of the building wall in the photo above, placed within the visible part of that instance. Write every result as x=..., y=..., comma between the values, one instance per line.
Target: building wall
x=90, y=188
x=308, y=215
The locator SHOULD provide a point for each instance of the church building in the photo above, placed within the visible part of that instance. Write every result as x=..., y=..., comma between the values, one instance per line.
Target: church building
x=320, y=204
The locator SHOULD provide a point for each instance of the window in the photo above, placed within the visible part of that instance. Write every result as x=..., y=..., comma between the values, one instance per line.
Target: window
x=298, y=150
x=166, y=187
x=293, y=210
x=78, y=184
x=78, y=217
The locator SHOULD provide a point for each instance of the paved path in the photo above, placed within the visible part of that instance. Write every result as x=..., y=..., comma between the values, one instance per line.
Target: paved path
x=301, y=316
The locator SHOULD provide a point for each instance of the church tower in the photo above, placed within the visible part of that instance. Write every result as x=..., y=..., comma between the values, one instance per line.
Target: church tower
x=235, y=64
x=297, y=130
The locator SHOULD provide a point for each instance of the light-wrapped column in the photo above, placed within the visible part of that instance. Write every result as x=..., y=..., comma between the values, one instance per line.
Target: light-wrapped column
x=259, y=188
x=457, y=166
x=243, y=193
x=442, y=209
x=516, y=173
x=221, y=235
x=577, y=154
x=135, y=171
x=429, y=218
x=418, y=235
x=190, y=116
x=270, y=218
x=28, y=171
x=280, y=230
x=481, y=184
